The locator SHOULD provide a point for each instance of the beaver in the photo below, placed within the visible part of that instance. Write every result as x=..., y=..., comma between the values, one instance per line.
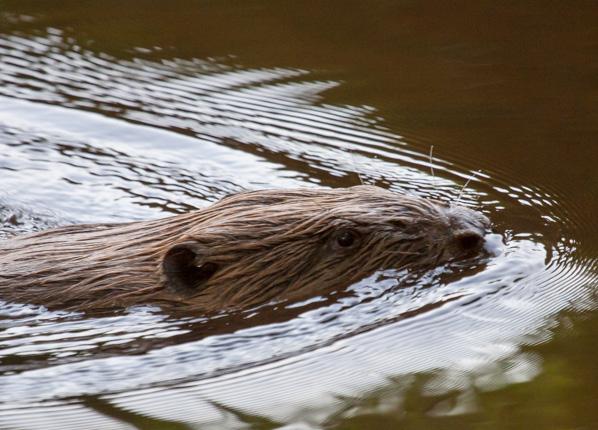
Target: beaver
x=247, y=249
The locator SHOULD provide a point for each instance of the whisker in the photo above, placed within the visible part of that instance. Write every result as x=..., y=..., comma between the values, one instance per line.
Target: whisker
x=355, y=168
x=405, y=252
x=473, y=175
x=431, y=155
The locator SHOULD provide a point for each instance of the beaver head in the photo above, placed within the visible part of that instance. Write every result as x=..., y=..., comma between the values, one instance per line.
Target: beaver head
x=253, y=247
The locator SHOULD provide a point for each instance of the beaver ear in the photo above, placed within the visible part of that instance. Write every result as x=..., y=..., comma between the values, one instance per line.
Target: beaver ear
x=183, y=269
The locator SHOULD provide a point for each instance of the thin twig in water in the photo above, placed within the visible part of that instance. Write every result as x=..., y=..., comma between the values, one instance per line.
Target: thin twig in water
x=473, y=175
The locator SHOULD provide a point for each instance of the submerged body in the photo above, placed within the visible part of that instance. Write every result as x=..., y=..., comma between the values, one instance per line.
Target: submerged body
x=245, y=250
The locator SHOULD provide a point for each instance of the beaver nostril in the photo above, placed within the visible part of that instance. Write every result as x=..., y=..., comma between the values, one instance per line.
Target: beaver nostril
x=469, y=240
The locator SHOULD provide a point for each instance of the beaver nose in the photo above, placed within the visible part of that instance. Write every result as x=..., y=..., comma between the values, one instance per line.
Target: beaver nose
x=469, y=240
x=468, y=228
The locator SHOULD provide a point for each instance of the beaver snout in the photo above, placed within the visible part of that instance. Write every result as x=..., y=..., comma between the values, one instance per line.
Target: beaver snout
x=469, y=240
x=468, y=229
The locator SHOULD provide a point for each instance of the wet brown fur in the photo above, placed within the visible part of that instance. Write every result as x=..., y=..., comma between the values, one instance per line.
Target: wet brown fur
x=261, y=246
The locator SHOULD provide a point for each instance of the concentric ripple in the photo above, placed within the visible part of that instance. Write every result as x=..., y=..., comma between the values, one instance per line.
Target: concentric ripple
x=85, y=137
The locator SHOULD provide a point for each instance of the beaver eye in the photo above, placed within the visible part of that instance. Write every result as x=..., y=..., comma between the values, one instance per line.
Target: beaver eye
x=346, y=238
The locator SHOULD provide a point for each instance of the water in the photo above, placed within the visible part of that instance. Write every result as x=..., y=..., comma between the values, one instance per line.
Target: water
x=119, y=112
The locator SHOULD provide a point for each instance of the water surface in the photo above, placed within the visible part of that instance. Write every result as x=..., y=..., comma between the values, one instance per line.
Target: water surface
x=112, y=112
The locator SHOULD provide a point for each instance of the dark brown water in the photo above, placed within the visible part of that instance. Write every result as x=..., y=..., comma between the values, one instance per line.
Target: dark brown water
x=114, y=111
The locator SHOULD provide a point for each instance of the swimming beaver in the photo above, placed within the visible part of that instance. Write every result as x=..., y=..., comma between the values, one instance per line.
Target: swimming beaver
x=245, y=250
